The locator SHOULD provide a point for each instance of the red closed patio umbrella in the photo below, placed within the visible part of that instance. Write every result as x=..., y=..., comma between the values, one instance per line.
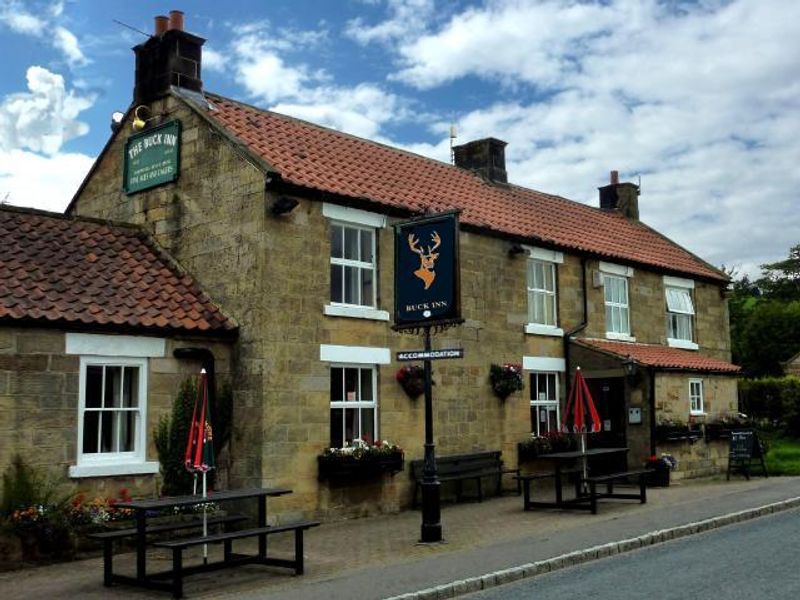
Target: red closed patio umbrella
x=199, y=455
x=580, y=415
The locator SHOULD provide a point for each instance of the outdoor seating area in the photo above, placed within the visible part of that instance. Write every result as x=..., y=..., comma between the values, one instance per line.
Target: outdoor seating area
x=172, y=579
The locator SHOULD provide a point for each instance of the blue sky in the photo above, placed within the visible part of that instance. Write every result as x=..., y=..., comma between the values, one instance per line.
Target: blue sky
x=699, y=99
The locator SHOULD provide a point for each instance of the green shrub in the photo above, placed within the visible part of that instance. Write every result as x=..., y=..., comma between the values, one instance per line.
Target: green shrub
x=775, y=400
x=24, y=486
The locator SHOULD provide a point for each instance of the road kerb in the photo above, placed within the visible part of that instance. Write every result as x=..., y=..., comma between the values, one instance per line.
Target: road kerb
x=529, y=570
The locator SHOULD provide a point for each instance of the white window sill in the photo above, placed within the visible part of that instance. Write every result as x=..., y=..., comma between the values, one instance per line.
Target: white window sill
x=685, y=344
x=145, y=468
x=356, y=312
x=697, y=414
x=622, y=337
x=537, y=329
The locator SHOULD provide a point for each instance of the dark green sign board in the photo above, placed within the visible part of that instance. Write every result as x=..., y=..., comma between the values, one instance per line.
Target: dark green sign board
x=152, y=158
x=427, y=287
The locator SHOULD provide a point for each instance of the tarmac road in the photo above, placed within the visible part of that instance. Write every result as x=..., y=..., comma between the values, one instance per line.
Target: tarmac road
x=758, y=559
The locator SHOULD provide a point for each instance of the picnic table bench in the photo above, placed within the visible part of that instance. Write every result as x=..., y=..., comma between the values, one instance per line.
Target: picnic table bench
x=609, y=480
x=464, y=467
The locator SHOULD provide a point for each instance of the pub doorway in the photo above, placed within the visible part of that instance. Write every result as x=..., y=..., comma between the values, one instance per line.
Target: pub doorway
x=609, y=398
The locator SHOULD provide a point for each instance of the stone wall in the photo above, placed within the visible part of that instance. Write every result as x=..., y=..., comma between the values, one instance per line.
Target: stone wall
x=39, y=405
x=272, y=275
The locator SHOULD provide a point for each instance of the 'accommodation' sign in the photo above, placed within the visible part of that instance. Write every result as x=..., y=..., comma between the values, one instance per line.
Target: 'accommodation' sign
x=426, y=275
x=152, y=157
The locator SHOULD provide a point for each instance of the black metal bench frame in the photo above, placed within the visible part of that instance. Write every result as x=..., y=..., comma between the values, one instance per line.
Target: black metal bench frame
x=640, y=475
x=230, y=559
x=464, y=467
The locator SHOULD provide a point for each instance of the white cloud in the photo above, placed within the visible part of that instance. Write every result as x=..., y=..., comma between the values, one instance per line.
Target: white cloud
x=65, y=41
x=213, y=60
x=16, y=18
x=45, y=182
x=43, y=118
x=702, y=100
x=408, y=17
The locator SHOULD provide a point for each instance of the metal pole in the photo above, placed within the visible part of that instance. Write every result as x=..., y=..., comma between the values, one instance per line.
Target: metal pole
x=431, y=513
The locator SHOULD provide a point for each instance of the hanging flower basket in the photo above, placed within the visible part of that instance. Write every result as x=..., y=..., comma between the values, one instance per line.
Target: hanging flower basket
x=360, y=460
x=412, y=379
x=505, y=379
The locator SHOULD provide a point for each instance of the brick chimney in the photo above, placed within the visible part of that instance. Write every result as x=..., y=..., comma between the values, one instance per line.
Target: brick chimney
x=623, y=197
x=170, y=57
x=487, y=157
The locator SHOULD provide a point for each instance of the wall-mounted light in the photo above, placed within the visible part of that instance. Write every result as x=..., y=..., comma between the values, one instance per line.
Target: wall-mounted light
x=116, y=120
x=139, y=121
x=283, y=205
x=515, y=250
x=630, y=367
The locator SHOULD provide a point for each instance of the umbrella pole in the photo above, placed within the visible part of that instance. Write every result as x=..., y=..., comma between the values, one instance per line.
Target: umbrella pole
x=584, y=470
x=205, y=519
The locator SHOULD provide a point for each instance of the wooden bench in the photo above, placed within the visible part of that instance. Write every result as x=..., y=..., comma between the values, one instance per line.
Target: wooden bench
x=178, y=546
x=464, y=467
x=526, y=479
x=609, y=480
x=108, y=537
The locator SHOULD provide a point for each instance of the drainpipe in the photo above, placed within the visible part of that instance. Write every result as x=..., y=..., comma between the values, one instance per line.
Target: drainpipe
x=580, y=327
x=652, y=412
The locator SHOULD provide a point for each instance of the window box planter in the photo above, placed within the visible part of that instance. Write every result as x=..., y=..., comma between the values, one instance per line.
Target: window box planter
x=537, y=445
x=677, y=433
x=360, y=461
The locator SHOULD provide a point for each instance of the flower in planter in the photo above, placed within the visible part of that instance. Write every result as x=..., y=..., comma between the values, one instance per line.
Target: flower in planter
x=505, y=379
x=665, y=462
x=360, y=458
x=412, y=379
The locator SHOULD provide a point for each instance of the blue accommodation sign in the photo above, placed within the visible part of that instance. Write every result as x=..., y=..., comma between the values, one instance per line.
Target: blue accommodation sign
x=152, y=158
x=427, y=275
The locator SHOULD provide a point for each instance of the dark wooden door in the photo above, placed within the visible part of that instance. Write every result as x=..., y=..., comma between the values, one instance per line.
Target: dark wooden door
x=609, y=398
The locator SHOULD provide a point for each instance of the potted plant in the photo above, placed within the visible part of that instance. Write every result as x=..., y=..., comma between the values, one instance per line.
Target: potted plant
x=360, y=460
x=505, y=379
x=412, y=379
x=660, y=467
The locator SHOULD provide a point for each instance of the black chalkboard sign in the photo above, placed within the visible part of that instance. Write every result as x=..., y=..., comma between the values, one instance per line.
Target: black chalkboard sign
x=741, y=445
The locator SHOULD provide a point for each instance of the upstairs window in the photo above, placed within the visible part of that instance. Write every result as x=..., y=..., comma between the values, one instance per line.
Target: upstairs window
x=352, y=265
x=542, y=293
x=680, y=312
x=616, y=303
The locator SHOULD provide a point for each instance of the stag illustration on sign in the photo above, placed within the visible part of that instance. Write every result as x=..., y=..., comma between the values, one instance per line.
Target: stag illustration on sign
x=427, y=258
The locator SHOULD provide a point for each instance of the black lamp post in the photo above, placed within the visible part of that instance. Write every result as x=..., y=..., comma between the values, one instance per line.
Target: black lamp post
x=431, y=510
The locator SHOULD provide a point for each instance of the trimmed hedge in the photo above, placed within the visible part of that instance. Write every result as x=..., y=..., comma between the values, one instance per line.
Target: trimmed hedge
x=772, y=399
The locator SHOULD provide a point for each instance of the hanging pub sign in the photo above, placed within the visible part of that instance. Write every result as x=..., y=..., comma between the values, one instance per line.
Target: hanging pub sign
x=152, y=157
x=427, y=288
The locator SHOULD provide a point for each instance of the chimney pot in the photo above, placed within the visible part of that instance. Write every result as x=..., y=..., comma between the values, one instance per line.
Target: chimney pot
x=614, y=178
x=176, y=19
x=162, y=24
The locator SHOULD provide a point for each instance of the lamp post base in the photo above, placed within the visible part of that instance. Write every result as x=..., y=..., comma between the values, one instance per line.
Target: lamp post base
x=431, y=530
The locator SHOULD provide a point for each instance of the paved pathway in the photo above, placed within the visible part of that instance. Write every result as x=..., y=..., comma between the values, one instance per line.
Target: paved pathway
x=378, y=557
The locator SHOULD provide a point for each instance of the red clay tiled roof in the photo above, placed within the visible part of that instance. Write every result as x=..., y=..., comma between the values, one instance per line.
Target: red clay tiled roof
x=660, y=357
x=90, y=274
x=314, y=157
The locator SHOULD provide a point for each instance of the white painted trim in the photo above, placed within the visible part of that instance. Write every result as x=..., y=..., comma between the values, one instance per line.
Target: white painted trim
x=685, y=344
x=620, y=337
x=145, y=468
x=615, y=269
x=543, y=363
x=553, y=256
x=678, y=282
x=355, y=312
x=353, y=215
x=356, y=355
x=115, y=345
x=536, y=329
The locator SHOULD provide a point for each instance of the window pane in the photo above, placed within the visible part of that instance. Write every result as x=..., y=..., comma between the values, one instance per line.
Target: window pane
x=336, y=241
x=553, y=419
x=107, y=438
x=127, y=431
x=538, y=308
x=337, y=437
x=336, y=283
x=130, y=388
x=351, y=385
x=549, y=279
x=368, y=425
x=608, y=288
x=112, y=394
x=534, y=419
x=366, y=246
x=538, y=275
x=350, y=424
x=367, y=288
x=549, y=312
x=337, y=389
x=91, y=423
x=351, y=243
x=351, y=285
x=366, y=385
x=623, y=321
x=94, y=387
